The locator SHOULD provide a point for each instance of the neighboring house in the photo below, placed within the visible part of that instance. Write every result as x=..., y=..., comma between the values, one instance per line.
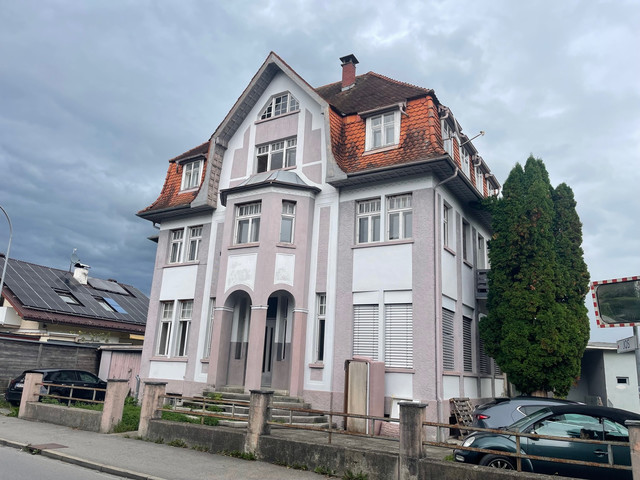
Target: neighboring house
x=319, y=224
x=608, y=378
x=48, y=304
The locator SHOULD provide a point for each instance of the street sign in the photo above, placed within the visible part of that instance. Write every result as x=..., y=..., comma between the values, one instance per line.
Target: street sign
x=627, y=344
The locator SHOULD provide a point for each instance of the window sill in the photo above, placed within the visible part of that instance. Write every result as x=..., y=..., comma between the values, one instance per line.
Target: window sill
x=189, y=190
x=399, y=370
x=286, y=245
x=204, y=360
x=263, y=120
x=244, y=245
x=169, y=359
x=448, y=249
x=386, y=148
x=181, y=264
x=317, y=365
x=466, y=263
x=383, y=244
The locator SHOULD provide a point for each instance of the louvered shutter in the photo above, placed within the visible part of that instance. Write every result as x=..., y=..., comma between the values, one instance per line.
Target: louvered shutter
x=485, y=361
x=448, y=354
x=366, y=328
x=398, y=335
x=466, y=345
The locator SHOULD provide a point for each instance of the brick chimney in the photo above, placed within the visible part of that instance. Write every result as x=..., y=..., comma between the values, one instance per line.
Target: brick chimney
x=348, y=71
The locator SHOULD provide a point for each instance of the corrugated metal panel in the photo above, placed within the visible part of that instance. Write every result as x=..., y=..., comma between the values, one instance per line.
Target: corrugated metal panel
x=366, y=327
x=398, y=335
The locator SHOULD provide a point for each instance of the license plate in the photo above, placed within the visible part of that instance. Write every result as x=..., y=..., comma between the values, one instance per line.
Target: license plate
x=19, y=385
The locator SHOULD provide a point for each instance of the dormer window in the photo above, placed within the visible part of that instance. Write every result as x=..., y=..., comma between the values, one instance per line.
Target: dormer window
x=277, y=155
x=447, y=138
x=383, y=130
x=464, y=160
x=279, y=105
x=191, y=173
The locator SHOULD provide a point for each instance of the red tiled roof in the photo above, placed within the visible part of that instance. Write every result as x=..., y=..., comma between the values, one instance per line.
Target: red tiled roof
x=170, y=196
x=370, y=91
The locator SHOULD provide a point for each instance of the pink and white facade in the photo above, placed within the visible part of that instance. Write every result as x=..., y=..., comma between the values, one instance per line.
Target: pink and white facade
x=317, y=224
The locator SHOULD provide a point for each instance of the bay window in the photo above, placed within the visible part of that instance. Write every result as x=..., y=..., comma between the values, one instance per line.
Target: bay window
x=247, y=228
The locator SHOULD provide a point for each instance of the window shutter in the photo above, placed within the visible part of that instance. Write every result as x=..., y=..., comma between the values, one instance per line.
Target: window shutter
x=365, y=331
x=398, y=335
x=448, y=354
x=484, y=360
x=466, y=344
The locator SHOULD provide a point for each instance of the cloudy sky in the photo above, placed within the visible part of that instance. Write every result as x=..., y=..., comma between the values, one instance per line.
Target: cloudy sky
x=96, y=96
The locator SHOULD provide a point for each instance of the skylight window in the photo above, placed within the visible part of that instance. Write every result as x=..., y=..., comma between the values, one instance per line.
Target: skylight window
x=115, y=305
x=104, y=304
x=279, y=105
x=67, y=297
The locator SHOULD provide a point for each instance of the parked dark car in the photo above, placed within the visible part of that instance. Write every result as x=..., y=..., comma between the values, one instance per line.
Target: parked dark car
x=62, y=376
x=504, y=411
x=569, y=421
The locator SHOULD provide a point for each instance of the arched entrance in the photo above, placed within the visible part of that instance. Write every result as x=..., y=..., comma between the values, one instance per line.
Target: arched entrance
x=276, y=354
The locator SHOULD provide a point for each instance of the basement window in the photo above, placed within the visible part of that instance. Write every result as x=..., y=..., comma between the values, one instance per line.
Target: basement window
x=622, y=380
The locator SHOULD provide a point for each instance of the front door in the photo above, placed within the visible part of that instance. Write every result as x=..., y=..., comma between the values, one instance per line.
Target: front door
x=267, y=352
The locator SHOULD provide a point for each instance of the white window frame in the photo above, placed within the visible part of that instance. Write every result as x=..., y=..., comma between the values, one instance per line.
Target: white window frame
x=382, y=130
x=183, y=323
x=194, y=241
x=191, y=173
x=400, y=207
x=466, y=241
x=481, y=261
x=165, y=325
x=279, y=105
x=176, y=241
x=284, y=151
x=321, y=327
x=250, y=213
x=465, y=162
x=447, y=225
x=368, y=214
x=448, y=134
x=287, y=221
x=479, y=179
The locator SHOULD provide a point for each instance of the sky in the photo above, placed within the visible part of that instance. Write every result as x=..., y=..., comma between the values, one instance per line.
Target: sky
x=97, y=96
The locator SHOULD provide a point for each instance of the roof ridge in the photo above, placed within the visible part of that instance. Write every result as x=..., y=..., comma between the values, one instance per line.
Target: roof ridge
x=188, y=151
x=384, y=77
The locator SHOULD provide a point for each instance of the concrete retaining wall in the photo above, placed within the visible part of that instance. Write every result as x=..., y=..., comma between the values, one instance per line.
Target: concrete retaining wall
x=61, y=415
x=377, y=465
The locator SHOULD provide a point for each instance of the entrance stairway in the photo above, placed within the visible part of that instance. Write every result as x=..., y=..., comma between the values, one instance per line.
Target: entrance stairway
x=279, y=412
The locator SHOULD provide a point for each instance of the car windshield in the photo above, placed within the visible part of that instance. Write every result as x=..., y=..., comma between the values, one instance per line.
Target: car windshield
x=523, y=422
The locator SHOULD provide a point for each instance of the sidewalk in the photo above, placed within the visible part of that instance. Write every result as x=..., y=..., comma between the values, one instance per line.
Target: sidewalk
x=126, y=456
x=136, y=459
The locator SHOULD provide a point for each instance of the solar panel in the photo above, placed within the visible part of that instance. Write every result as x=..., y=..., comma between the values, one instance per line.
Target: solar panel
x=106, y=285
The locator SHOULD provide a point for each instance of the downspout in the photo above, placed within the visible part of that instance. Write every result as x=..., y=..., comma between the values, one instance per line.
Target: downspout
x=438, y=300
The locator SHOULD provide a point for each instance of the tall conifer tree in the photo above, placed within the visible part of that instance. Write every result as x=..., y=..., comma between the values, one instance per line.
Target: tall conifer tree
x=537, y=325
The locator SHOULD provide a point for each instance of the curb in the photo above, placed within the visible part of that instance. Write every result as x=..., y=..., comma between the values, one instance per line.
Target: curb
x=63, y=457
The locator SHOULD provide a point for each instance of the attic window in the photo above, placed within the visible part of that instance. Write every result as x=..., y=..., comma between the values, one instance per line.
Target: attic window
x=104, y=304
x=383, y=130
x=114, y=305
x=279, y=105
x=67, y=297
x=191, y=173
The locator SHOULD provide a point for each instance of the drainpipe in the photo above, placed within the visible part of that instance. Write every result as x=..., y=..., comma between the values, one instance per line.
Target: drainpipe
x=438, y=300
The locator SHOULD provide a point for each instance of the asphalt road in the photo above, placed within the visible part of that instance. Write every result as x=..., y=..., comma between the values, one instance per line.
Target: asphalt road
x=18, y=465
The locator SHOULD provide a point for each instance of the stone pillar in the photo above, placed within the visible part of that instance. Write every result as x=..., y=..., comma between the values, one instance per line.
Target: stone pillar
x=412, y=415
x=117, y=390
x=253, y=374
x=30, y=393
x=634, y=445
x=259, y=415
x=298, y=341
x=151, y=401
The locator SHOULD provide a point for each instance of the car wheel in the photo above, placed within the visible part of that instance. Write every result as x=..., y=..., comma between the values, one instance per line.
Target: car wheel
x=497, y=461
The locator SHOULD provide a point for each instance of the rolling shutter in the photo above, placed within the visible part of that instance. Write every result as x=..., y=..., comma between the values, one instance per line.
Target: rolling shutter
x=467, y=352
x=398, y=335
x=366, y=328
x=448, y=353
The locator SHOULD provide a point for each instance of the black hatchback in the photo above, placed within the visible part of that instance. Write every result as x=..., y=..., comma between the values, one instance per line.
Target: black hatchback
x=60, y=376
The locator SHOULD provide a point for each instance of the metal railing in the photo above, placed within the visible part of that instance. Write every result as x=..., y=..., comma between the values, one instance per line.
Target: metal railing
x=519, y=456
x=200, y=407
x=70, y=398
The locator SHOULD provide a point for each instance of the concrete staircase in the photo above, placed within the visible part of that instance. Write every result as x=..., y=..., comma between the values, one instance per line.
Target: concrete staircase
x=280, y=409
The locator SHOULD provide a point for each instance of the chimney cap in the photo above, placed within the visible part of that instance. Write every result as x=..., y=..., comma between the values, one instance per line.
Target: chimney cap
x=351, y=58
